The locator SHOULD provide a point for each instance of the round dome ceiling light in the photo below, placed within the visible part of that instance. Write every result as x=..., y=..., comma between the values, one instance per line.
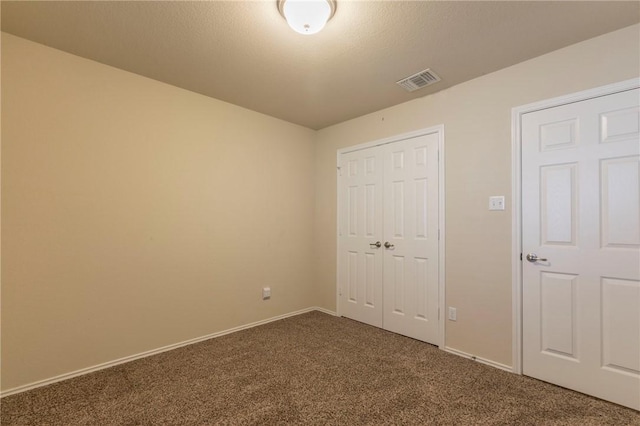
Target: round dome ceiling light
x=307, y=16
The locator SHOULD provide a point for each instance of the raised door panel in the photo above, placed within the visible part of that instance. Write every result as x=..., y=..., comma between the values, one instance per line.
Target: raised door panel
x=558, y=202
x=621, y=325
x=620, y=202
x=558, y=322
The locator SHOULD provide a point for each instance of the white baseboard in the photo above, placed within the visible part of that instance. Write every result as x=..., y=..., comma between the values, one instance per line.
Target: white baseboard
x=479, y=359
x=323, y=310
x=152, y=352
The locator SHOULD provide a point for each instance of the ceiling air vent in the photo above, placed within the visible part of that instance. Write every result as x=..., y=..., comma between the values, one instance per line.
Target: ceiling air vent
x=418, y=80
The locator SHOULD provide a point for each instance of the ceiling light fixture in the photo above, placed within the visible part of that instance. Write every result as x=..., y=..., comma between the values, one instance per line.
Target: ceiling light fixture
x=307, y=16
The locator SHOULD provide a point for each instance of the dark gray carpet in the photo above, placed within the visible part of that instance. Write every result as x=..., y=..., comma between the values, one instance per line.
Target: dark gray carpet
x=308, y=369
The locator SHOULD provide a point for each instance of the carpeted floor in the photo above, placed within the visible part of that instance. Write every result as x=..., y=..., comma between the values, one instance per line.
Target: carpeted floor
x=308, y=369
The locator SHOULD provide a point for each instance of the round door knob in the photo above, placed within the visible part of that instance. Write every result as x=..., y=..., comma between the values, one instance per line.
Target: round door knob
x=388, y=245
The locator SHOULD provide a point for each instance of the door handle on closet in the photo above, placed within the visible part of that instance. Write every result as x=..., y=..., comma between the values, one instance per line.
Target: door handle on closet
x=532, y=257
x=388, y=245
x=377, y=244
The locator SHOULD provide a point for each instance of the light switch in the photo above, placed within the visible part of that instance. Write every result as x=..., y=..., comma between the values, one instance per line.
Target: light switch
x=496, y=202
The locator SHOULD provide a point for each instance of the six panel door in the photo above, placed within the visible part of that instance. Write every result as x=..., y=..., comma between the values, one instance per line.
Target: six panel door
x=411, y=228
x=360, y=235
x=581, y=217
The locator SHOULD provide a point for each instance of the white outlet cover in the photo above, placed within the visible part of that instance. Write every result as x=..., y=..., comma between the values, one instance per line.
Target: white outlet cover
x=496, y=202
x=453, y=314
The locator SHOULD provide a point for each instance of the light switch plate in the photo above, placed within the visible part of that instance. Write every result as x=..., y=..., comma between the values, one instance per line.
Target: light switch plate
x=496, y=202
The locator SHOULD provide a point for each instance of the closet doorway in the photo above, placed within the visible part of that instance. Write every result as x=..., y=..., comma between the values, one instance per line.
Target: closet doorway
x=391, y=234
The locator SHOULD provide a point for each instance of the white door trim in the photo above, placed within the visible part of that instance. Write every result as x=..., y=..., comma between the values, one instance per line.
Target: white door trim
x=516, y=196
x=439, y=130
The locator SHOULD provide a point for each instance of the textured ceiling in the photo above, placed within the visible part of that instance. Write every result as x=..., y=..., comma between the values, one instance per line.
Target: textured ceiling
x=244, y=53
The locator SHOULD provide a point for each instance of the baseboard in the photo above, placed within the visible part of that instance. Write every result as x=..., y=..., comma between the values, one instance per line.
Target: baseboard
x=479, y=359
x=323, y=310
x=152, y=352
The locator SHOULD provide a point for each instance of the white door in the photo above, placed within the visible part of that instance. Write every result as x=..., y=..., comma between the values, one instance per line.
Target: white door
x=388, y=236
x=411, y=231
x=581, y=217
x=360, y=235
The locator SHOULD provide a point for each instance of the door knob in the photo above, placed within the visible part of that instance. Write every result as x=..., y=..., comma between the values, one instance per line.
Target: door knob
x=532, y=257
x=388, y=245
x=376, y=244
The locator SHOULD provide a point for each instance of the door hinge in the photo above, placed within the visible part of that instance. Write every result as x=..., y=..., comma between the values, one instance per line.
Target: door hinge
x=339, y=171
x=520, y=257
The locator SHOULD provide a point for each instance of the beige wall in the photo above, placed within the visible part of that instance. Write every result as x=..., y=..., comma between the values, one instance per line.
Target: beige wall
x=477, y=119
x=136, y=214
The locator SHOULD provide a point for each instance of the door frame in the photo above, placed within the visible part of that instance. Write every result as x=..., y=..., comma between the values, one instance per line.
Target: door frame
x=516, y=195
x=439, y=130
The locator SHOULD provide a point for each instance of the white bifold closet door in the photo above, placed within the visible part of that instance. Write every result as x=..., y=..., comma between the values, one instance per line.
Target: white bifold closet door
x=581, y=243
x=388, y=236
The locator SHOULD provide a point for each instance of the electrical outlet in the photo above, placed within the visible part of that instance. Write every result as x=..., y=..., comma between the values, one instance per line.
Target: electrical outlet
x=453, y=314
x=266, y=293
x=496, y=202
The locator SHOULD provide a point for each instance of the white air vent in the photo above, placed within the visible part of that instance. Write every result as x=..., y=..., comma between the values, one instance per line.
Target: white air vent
x=418, y=80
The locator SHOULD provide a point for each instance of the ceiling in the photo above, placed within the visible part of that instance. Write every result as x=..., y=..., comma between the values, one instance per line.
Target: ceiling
x=244, y=53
